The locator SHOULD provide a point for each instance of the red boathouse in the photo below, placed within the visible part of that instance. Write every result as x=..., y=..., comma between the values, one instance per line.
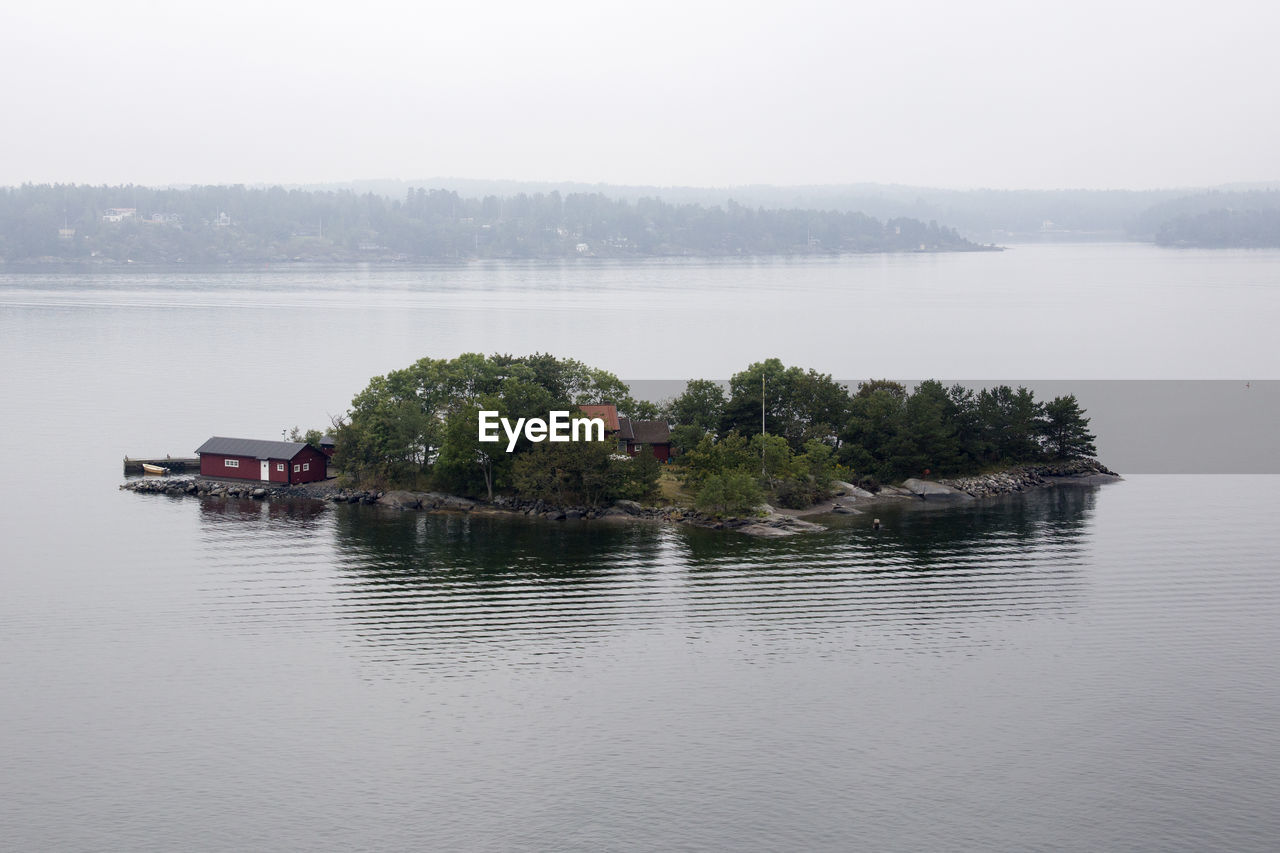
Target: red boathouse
x=266, y=461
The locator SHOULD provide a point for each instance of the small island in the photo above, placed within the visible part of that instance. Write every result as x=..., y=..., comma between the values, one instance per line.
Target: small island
x=777, y=443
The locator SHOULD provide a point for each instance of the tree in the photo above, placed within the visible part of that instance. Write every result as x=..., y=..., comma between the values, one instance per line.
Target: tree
x=701, y=405
x=1066, y=429
x=713, y=456
x=569, y=473
x=731, y=492
x=1011, y=423
x=798, y=405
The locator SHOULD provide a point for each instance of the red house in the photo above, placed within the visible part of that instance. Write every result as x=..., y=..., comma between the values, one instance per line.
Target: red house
x=656, y=435
x=266, y=461
x=632, y=435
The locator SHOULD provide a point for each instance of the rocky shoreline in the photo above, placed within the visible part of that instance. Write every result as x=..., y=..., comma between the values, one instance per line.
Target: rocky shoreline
x=769, y=523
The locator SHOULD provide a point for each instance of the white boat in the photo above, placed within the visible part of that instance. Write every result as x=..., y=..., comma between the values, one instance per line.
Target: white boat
x=148, y=468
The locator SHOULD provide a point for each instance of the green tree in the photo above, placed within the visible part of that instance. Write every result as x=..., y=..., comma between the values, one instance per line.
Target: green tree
x=733, y=492
x=701, y=405
x=876, y=414
x=715, y=456
x=1066, y=429
x=1011, y=422
x=774, y=457
x=569, y=473
x=798, y=405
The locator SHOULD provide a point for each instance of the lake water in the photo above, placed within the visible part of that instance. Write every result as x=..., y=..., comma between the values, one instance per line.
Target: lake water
x=1077, y=669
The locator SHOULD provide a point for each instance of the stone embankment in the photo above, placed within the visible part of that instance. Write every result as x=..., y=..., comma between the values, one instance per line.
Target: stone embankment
x=202, y=487
x=769, y=524
x=1024, y=477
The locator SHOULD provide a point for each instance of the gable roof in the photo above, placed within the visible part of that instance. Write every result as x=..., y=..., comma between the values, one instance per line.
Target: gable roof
x=652, y=432
x=606, y=412
x=624, y=429
x=252, y=447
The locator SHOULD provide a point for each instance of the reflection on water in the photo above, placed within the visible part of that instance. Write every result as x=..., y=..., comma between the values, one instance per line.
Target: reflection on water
x=448, y=590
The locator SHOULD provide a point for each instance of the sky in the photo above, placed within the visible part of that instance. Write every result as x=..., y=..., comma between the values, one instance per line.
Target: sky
x=1117, y=94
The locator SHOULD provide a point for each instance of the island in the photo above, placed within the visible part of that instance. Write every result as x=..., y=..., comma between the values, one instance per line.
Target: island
x=773, y=444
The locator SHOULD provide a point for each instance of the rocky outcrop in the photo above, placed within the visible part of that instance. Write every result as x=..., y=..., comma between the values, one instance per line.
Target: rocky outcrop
x=841, y=489
x=929, y=490
x=1024, y=477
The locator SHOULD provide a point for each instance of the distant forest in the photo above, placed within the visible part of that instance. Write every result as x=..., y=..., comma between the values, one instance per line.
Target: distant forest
x=220, y=224
x=981, y=215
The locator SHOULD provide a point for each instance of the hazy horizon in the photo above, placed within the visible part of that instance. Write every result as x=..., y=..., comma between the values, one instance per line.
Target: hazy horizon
x=991, y=95
x=446, y=182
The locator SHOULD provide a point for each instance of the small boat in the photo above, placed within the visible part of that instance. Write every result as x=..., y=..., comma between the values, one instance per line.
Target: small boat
x=148, y=468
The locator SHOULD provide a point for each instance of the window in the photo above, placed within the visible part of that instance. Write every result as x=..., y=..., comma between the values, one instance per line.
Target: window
x=297, y=468
x=279, y=466
x=231, y=463
x=306, y=466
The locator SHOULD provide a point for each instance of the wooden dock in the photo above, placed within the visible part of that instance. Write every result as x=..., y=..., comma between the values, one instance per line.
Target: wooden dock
x=176, y=465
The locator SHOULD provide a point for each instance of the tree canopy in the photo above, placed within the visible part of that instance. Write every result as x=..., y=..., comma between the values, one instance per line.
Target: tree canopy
x=419, y=425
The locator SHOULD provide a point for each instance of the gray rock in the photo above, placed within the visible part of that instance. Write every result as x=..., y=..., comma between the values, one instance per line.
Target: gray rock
x=401, y=499
x=929, y=490
x=629, y=507
x=844, y=489
x=766, y=531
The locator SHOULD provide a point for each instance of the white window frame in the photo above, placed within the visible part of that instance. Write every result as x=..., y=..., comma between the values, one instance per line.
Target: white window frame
x=279, y=466
x=230, y=463
x=306, y=466
x=297, y=468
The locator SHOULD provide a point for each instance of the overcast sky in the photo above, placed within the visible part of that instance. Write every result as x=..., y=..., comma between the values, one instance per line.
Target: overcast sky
x=926, y=92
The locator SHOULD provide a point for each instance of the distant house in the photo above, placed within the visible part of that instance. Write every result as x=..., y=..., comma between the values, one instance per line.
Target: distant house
x=119, y=214
x=266, y=461
x=632, y=435
x=327, y=445
x=656, y=435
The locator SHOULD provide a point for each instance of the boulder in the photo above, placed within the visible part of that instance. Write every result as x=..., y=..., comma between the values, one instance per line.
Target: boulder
x=843, y=489
x=401, y=499
x=766, y=531
x=929, y=490
x=629, y=507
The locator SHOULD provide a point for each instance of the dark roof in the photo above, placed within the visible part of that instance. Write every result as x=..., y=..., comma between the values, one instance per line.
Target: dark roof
x=624, y=428
x=651, y=432
x=252, y=447
x=326, y=440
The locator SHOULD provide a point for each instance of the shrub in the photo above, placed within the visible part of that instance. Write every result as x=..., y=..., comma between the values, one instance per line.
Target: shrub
x=733, y=492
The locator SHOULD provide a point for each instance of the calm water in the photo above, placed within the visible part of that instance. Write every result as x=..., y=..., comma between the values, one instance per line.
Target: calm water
x=1078, y=669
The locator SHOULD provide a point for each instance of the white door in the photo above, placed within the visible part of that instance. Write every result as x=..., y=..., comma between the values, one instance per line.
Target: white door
x=265, y=470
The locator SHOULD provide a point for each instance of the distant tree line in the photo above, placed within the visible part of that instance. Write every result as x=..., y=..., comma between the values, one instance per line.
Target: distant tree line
x=1222, y=229
x=776, y=432
x=1215, y=219
x=217, y=224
